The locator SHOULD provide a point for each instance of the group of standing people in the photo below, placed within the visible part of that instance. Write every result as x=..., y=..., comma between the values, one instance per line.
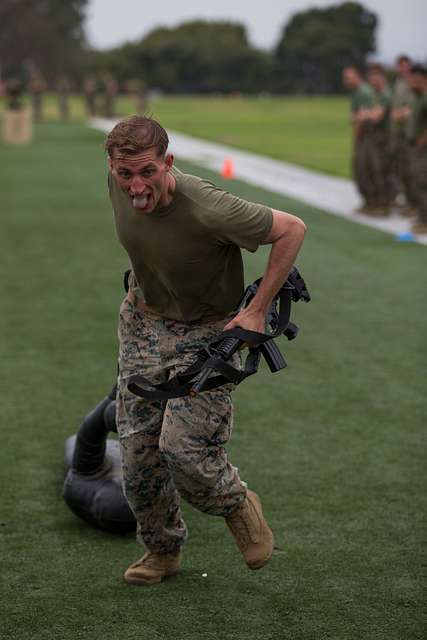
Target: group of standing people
x=390, y=140
x=99, y=92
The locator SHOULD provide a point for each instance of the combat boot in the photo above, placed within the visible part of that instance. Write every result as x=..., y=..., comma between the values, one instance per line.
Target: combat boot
x=380, y=211
x=153, y=567
x=408, y=211
x=419, y=228
x=365, y=209
x=251, y=532
x=362, y=208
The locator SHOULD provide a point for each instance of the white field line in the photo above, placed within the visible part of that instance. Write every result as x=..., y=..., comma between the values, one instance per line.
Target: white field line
x=331, y=194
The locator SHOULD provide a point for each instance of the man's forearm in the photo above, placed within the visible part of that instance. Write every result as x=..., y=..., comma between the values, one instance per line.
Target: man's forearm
x=285, y=237
x=281, y=260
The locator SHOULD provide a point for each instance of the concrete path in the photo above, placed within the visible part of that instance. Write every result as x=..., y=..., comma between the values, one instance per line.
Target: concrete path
x=331, y=194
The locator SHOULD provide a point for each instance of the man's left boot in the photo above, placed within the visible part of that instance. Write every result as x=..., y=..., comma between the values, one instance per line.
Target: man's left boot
x=251, y=532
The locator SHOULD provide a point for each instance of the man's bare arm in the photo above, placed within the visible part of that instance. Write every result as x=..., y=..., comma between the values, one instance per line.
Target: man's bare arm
x=286, y=236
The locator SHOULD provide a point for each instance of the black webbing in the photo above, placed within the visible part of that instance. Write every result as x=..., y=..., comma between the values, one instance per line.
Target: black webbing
x=211, y=358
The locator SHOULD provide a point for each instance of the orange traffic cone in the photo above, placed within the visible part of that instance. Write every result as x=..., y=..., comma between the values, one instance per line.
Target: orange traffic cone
x=227, y=170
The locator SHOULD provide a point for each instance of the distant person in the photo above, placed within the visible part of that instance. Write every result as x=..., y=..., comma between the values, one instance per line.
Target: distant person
x=36, y=87
x=378, y=135
x=184, y=238
x=136, y=89
x=110, y=89
x=90, y=89
x=401, y=177
x=361, y=100
x=17, y=119
x=418, y=142
x=14, y=91
x=63, y=89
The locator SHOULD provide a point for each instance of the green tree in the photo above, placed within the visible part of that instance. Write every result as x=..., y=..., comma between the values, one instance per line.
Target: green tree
x=194, y=57
x=47, y=33
x=316, y=45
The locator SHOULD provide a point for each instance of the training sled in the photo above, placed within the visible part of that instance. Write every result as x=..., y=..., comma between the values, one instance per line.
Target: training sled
x=93, y=482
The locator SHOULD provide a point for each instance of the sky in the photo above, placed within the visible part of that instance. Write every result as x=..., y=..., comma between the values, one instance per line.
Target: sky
x=402, y=29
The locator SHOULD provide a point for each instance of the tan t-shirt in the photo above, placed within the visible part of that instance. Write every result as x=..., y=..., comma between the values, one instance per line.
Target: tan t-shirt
x=186, y=257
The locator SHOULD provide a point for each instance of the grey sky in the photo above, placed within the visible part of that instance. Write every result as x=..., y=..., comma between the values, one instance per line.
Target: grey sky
x=403, y=23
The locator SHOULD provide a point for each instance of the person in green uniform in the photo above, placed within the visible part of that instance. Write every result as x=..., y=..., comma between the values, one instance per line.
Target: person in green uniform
x=378, y=139
x=184, y=236
x=417, y=134
x=37, y=87
x=361, y=100
x=90, y=93
x=401, y=177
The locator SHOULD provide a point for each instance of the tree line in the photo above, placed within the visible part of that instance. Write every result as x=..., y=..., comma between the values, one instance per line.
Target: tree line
x=193, y=57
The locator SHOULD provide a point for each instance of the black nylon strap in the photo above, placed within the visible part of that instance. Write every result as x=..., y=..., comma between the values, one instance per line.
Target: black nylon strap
x=259, y=344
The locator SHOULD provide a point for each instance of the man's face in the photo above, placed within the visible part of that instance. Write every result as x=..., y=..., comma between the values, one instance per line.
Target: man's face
x=350, y=78
x=403, y=67
x=377, y=80
x=417, y=82
x=144, y=177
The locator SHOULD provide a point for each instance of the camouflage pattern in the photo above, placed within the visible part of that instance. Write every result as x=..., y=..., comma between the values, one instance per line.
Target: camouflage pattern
x=419, y=172
x=400, y=152
x=172, y=448
x=377, y=157
x=379, y=167
x=402, y=180
x=371, y=167
x=362, y=170
x=417, y=130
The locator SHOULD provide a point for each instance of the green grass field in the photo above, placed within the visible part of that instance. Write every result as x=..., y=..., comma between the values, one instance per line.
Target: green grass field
x=312, y=132
x=335, y=445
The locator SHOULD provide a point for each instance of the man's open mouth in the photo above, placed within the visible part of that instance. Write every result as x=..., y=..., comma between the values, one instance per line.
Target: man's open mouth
x=140, y=202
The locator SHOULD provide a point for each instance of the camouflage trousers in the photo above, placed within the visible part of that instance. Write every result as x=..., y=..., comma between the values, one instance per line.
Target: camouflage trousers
x=401, y=175
x=419, y=172
x=371, y=168
x=172, y=448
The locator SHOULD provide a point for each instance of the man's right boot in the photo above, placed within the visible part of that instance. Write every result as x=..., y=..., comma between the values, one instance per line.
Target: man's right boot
x=251, y=532
x=153, y=567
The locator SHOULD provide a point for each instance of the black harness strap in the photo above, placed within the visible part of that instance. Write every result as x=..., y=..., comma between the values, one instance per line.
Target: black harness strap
x=212, y=359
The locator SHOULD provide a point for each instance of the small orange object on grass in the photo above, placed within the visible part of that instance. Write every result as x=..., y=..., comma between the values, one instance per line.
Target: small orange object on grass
x=227, y=170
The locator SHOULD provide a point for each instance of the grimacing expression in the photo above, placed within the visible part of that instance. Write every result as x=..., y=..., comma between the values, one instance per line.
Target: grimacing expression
x=143, y=176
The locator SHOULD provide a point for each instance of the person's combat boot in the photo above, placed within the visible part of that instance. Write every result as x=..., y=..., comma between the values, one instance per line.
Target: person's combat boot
x=153, y=567
x=419, y=228
x=364, y=208
x=251, y=532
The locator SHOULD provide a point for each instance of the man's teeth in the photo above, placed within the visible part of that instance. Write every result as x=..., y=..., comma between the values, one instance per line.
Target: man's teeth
x=140, y=201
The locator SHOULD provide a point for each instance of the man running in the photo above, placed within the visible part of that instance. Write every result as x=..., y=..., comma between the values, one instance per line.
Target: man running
x=184, y=238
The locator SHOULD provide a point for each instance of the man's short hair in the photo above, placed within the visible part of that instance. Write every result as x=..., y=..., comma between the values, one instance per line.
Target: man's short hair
x=135, y=135
x=419, y=69
x=376, y=67
x=403, y=58
x=353, y=67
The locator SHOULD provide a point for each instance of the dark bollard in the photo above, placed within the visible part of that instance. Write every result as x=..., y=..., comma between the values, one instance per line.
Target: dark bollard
x=93, y=482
